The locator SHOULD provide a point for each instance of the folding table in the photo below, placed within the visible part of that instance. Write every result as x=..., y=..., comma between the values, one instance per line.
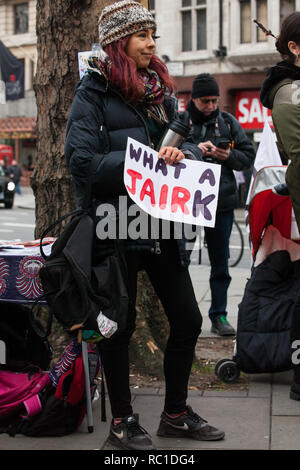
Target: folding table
x=20, y=283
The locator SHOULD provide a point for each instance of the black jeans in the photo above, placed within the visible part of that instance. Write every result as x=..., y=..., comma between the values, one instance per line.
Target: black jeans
x=173, y=286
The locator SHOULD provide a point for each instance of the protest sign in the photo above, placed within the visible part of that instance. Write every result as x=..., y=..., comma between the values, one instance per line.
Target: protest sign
x=185, y=192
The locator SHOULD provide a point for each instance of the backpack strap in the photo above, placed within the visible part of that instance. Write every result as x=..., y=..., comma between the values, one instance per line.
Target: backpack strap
x=228, y=123
x=80, y=211
x=33, y=406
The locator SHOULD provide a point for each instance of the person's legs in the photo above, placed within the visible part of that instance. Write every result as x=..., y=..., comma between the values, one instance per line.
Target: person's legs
x=217, y=240
x=125, y=431
x=174, y=288
x=18, y=188
x=114, y=351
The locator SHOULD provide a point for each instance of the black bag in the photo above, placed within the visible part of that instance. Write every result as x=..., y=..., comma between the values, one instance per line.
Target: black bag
x=76, y=291
x=26, y=341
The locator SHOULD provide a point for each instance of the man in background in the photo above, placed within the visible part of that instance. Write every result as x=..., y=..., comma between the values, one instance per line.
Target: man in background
x=222, y=141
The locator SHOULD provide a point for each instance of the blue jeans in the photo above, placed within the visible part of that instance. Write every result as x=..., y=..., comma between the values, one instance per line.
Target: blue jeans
x=18, y=188
x=217, y=240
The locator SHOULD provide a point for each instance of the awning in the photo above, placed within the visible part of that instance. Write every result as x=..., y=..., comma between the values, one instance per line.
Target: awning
x=18, y=128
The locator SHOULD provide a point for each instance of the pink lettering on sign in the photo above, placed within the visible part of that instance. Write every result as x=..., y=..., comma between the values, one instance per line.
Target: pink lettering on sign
x=135, y=175
x=180, y=196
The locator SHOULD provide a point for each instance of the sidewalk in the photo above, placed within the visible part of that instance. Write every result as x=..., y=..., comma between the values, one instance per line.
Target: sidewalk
x=260, y=418
x=26, y=199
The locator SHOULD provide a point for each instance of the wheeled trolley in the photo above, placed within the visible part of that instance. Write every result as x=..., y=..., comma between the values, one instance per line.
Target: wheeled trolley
x=265, y=313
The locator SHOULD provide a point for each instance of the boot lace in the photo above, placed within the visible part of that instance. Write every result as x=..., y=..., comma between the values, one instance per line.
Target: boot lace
x=194, y=416
x=134, y=429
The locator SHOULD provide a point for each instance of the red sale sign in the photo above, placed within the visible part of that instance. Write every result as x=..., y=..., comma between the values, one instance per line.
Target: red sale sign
x=250, y=113
x=183, y=99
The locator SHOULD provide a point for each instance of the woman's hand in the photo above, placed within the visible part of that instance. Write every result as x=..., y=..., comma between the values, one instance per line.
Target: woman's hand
x=171, y=155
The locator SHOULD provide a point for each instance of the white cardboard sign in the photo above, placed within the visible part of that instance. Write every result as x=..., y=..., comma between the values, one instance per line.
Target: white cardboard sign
x=186, y=192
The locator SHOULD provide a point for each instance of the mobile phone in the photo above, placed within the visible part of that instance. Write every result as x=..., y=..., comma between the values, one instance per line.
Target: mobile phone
x=223, y=144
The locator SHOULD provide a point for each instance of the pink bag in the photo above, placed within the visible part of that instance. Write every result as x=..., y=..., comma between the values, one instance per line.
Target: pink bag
x=21, y=389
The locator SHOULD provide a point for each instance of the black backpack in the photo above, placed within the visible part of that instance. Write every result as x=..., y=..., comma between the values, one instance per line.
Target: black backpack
x=76, y=291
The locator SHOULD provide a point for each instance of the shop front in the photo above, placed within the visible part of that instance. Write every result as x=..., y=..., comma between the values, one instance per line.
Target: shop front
x=251, y=114
x=20, y=134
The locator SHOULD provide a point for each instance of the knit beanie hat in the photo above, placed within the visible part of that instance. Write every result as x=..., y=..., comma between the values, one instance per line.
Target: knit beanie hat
x=121, y=19
x=205, y=85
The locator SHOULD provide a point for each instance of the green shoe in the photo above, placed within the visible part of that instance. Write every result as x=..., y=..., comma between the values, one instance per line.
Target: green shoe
x=222, y=327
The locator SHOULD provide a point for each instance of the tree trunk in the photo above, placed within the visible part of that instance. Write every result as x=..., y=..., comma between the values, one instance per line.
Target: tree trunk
x=152, y=331
x=65, y=28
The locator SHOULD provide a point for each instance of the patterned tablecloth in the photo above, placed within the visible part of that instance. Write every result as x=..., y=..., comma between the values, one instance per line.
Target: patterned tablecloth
x=19, y=279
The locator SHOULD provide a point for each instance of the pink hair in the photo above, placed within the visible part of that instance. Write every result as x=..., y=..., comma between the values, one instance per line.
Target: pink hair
x=124, y=74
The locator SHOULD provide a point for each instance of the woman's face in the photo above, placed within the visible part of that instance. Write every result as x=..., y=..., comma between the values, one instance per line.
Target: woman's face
x=141, y=47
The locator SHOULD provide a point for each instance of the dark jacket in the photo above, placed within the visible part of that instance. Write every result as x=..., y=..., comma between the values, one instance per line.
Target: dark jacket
x=15, y=173
x=265, y=315
x=100, y=122
x=280, y=93
x=241, y=157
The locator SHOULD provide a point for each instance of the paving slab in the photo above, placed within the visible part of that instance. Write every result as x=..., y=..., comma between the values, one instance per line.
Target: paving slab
x=245, y=421
x=285, y=433
x=282, y=405
x=259, y=385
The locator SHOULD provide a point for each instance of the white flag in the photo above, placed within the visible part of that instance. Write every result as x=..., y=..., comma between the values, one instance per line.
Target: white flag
x=267, y=154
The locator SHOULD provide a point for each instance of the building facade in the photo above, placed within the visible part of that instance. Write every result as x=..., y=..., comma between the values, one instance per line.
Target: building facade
x=18, y=118
x=215, y=36
x=220, y=37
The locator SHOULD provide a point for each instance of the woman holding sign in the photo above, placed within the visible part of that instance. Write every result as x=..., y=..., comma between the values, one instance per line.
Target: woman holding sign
x=127, y=92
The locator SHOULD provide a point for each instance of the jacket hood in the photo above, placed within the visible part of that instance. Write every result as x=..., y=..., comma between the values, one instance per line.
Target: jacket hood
x=275, y=74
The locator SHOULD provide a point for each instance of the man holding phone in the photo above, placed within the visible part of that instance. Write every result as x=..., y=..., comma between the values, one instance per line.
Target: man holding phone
x=222, y=141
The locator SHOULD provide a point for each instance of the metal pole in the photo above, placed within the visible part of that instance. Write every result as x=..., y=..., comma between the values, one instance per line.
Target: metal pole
x=89, y=411
x=220, y=24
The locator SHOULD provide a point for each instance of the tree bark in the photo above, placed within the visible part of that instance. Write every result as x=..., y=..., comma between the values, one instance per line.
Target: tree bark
x=65, y=28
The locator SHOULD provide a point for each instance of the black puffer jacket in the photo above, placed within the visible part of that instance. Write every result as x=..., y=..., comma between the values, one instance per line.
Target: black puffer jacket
x=241, y=157
x=100, y=123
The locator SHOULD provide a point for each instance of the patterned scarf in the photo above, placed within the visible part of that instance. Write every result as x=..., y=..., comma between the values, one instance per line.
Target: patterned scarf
x=155, y=91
